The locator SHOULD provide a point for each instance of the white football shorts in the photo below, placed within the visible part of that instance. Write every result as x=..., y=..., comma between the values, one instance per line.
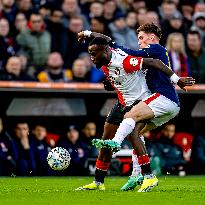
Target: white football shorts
x=164, y=109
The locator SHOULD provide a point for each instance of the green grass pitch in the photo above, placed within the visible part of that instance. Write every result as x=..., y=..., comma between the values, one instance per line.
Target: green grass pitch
x=60, y=190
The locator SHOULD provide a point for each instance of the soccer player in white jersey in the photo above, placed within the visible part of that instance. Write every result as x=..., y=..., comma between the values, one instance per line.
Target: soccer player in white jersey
x=125, y=73
x=160, y=107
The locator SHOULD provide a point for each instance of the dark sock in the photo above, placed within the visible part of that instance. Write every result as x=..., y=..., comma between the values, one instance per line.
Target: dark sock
x=144, y=163
x=100, y=175
x=146, y=169
x=101, y=170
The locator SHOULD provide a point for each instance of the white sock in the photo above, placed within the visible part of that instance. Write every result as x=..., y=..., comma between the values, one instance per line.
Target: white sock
x=142, y=138
x=125, y=128
x=136, y=167
x=149, y=176
x=98, y=183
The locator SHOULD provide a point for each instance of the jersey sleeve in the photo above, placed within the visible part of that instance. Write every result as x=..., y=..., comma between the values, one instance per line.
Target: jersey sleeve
x=132, y=64
x=138, y=53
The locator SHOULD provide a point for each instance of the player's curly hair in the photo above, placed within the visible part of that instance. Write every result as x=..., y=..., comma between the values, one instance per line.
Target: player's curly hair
x=150, y=28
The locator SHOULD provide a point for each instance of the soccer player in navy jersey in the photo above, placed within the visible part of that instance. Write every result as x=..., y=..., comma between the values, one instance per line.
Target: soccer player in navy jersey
x=142, y=158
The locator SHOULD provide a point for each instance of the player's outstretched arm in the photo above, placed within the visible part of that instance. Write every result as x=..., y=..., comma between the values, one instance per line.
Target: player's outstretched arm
x=83, y=35
x=150, y=63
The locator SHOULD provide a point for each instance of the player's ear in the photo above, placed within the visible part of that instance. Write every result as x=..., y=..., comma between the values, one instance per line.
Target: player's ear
x=152, y=37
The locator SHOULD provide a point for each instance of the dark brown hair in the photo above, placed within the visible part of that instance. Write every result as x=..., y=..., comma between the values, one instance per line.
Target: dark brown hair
x=150, y=28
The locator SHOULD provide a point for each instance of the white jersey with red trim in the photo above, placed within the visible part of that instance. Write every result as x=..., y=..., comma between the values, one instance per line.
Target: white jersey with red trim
x=127, y=77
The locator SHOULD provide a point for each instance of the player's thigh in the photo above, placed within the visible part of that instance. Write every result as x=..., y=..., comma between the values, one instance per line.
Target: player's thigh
x=164, y=110
x=140, y=112
x=148, y=127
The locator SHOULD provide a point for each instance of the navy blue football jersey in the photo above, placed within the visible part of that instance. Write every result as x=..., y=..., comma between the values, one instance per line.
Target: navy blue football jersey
x=157, y=81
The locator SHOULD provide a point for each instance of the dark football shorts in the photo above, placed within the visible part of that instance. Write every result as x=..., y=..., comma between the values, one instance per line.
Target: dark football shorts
x=117, y=113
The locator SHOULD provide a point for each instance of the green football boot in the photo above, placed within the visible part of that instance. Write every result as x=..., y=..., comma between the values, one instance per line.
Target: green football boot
x=110, y=144
x=98, y=143
x=132, y=182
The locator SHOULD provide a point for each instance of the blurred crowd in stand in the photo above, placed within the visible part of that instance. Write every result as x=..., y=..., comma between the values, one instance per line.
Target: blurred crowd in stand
x=38, y=38
x=23, y=150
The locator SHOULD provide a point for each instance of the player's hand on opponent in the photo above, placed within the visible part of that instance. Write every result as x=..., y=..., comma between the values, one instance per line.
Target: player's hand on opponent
x=185, y=81
x=81, y=37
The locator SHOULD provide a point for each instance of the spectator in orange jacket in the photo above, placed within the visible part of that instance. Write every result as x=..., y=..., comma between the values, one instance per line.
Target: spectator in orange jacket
x=55, y=71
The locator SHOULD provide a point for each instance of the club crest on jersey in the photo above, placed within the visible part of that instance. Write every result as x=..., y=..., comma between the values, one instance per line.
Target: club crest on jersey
x=133, y=62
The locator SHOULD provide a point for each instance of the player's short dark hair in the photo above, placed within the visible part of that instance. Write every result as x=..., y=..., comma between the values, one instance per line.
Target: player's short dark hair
x=194, y=32
x=99, y=41
x=100, y=19
x=150, y=28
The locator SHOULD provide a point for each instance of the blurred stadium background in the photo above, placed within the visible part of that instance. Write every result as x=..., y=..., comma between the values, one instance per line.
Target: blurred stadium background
x=50, y=88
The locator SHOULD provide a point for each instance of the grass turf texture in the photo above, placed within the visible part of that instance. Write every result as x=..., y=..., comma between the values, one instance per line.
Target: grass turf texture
x=45, y=191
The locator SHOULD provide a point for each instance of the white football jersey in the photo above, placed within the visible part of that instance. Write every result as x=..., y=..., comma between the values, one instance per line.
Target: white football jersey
x=127, y=77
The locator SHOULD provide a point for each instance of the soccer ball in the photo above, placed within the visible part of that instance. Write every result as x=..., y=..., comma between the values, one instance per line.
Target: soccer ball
x=58, y=158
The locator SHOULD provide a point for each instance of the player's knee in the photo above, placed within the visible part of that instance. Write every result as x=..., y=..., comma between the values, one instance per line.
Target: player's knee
x=136, y=118
x=128, y=115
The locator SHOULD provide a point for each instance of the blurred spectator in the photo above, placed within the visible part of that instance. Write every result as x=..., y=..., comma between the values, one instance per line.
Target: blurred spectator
x=131, y=20
x=77, y=148
x=59, y=35
x=26, y=7
x=196, y=56
x=45, y=9
x=24, y=62
x=35, y=42
x=122, y=34
x=138, y=4
x=55, y=71
x=200, y=7
x=24, y=155
x=111, y=10
x=199, y=24
x=178, y=57
x=141, y=16
x=187, y=9
x=184, y=140
x=8, y=11
x=171, y=156
x=153, y=17
x=20, y=23
x=52, y=139
x=97, y=24
x=94, y=75
x=74, y=48
x=96, y=10
x=80, y=71
x=7, y=163
x=7, y=43
x=172, y=25
x=198, y=155
x=71, y=8
x=40, y=148
x=87, y=135
x=14, y=71
x=167, y=9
